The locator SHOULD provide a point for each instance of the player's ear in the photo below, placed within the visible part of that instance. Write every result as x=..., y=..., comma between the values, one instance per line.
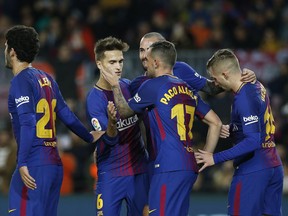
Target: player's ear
x=155, y=63
x=12, y=52
x=99, y=65
x=225, y=74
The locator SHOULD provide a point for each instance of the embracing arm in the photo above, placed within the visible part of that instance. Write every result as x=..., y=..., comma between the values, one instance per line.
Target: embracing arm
x=211, y=89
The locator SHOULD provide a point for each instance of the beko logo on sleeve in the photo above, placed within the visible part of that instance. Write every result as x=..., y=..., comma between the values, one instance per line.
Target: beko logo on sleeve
x=21, y=100
x=250, y=119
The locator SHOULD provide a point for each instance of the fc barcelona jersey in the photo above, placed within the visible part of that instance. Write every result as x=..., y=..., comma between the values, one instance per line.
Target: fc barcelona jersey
x=172, y=106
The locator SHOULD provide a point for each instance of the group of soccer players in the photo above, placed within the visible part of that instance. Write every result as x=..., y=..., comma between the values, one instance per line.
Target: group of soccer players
x=163, y=102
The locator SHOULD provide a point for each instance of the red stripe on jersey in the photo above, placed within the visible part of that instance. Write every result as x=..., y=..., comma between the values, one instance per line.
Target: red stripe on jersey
x=163, y=200
x=237, y=199
x=23, y=204
x=159, y=123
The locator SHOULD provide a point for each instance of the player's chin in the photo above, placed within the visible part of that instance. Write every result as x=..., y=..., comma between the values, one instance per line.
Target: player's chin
x=144, y=64
x=118, y=74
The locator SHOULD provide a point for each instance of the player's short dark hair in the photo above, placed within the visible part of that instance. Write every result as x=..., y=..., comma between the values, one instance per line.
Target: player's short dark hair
x=25, y=41
x=164, y=50
x=109, y=44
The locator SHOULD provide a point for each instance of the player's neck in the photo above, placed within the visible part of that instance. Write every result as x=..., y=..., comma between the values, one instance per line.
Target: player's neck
x=238, y=86
x=20, y=66
x=164, y=71
x=103, y=84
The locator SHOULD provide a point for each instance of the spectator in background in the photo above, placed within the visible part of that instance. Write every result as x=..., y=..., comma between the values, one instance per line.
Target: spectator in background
x=82, y=156
x=8, y=150
x=79, y=36
x=66, y=68
x=69, y=166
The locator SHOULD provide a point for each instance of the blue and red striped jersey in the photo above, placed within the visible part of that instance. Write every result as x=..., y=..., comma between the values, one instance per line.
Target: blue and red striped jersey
x=252, y=129
x=128, y=156
x=180, y=70
x=34, y=101
x=172, y=107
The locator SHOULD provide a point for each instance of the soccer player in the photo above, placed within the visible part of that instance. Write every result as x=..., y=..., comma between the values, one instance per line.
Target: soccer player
x=181, y=70
x=121, y=155
x=256, y=188
x=172, y=107
x=34, y=101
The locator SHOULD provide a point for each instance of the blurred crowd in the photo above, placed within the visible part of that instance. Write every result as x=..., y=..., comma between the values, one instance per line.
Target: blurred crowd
x=68, y=30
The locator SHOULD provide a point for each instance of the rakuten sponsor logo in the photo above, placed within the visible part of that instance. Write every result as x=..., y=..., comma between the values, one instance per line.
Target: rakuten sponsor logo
x=250, y=119
x=21, y=100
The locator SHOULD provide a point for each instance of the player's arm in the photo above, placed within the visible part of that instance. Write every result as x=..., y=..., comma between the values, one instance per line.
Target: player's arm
x=75, y=125
x=27, y=127
x=247, y=145
x=209, y=117
x=210, y=88
x=120, y=102
x=214, y=126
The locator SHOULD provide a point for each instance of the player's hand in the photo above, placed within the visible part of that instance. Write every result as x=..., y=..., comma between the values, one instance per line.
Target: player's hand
x=224, y=133
x=28, y=180
x=96, y=135
x=112, y=111
x=110, y=76
x=248, y=76
x=205, y=158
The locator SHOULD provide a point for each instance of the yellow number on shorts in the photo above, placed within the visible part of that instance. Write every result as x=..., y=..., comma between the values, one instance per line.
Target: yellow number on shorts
x=179, y=112
x=49, y=116
x=99, y=201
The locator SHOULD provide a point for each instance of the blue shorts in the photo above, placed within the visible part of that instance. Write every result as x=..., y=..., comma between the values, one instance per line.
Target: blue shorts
x=111, y=191
x=41, y=201
x=169, y=193
x=257, y=193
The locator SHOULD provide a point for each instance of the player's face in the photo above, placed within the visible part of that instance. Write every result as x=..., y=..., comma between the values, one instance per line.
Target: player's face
x=219, y=78
x=150, y=65
x=113, y=62
x=8, y=63
x=145, y=43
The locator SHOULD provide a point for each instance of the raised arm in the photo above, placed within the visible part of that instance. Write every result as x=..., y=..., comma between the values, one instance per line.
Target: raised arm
x=120, y=102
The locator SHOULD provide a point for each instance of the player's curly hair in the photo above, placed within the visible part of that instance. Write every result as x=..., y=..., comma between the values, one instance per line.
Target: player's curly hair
x=25, y=41
x=109, y=44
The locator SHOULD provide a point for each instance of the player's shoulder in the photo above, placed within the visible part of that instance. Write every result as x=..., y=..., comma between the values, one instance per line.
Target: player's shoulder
x=139, y=79
x=180, y=65
x=249, y=89
x=95, y=92
x=124, y=81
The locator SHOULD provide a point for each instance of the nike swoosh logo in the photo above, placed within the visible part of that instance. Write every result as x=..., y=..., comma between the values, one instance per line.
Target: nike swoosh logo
x=12, y=210
x=150, y=211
